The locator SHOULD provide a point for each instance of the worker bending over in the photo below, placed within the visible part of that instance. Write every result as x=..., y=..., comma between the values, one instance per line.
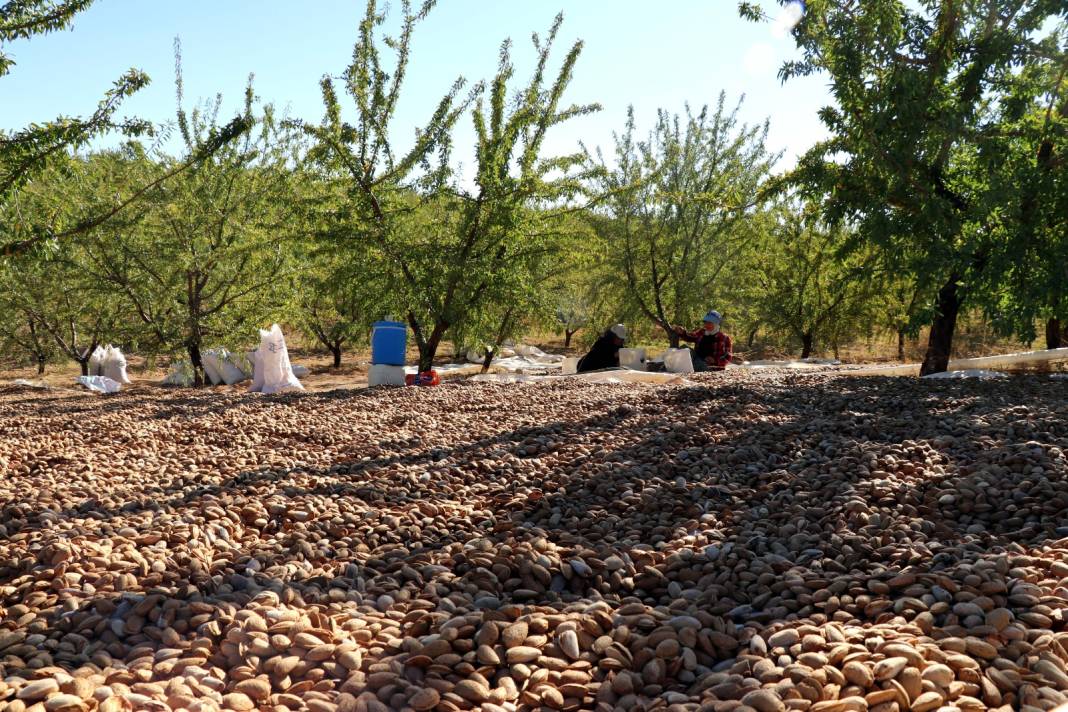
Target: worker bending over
x=712, y=349
x=605, y=351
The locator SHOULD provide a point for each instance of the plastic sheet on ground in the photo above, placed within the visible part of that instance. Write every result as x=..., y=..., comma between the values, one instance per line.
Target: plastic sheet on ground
x=799, y=364
x=444, y=368
x=100, y=384
x=979, y=373
x=1015, y=360
x=29, y=384
x=512, y=364
x=1059, y=376
x=611, y=376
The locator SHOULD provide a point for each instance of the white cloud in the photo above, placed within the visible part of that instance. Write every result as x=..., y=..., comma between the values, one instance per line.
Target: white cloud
x=789, y=15
x=760, y=60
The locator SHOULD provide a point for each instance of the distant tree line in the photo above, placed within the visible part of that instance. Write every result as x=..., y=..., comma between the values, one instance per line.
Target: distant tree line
x=941, y=192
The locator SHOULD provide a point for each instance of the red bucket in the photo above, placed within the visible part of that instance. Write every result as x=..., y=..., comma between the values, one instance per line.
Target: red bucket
x=426, y=378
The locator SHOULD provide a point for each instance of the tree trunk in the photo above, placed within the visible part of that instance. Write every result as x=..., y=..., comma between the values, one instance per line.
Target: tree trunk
x=568, y=333
x=490, y=353
x=41, y=364
x=84, y=364
x=427, y=351
x=335, y=349
x=752, y=337
x=901, y=345
x=1056, y=335
x=198, y=366
x=806, y=344
x=834, y=345
x=940, y=342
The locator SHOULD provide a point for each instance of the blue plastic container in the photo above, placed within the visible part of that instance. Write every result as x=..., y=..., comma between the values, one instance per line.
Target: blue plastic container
x=389, y=341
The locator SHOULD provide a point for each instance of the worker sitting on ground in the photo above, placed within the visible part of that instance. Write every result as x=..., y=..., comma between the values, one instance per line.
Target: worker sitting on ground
x=605, y=351
x=712, y=349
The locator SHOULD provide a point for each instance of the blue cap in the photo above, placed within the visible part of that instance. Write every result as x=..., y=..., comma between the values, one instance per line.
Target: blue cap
x=714, y=316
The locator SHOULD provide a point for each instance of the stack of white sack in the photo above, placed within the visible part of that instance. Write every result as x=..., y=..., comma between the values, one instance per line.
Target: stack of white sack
x=221, y=366
x=109, y=361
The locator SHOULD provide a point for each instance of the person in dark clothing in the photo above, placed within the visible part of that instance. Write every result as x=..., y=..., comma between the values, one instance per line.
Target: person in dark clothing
x=605, y=351
x=712, y=349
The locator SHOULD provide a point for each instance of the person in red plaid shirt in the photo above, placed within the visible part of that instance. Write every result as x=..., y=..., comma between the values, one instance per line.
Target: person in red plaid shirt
x=712, y=349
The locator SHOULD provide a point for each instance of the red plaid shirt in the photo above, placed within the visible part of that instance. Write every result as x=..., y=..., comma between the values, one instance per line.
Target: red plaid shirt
x=718, y=346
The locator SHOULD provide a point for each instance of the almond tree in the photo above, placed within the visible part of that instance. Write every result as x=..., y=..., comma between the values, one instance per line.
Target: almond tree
x=676, y=207
x=448, y=246
x=923, y=98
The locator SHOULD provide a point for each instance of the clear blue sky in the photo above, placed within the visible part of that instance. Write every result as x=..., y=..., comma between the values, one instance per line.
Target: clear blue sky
x=636, y=52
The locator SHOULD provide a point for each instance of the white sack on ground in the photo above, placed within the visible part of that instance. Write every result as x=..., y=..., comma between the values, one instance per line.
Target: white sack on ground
x=242, y=362
x=226, y=366
x=300, y=371
x=273, y=360
x=211, y=365
x=96, y=361
x=181, y=374
x=570, y=366
x=257, y=369
x=113, y=365
x=968, y=373
x=99, y=384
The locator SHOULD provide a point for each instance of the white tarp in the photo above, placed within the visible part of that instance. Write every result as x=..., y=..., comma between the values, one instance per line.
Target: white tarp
x=445, y=368
x=100, y=384
x=522, y=358
x=979, y=373
x=29, y=384
x=1014, y=360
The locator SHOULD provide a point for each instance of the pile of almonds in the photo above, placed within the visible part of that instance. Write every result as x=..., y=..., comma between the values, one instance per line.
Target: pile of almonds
x=754, y=541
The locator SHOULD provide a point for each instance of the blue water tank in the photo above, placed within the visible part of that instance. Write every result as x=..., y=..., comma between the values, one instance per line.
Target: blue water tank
x=389, y=341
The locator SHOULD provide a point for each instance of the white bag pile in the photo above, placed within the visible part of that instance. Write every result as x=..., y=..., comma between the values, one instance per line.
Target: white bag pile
x=273, y=373
x=221, y=366
x=109, y=361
